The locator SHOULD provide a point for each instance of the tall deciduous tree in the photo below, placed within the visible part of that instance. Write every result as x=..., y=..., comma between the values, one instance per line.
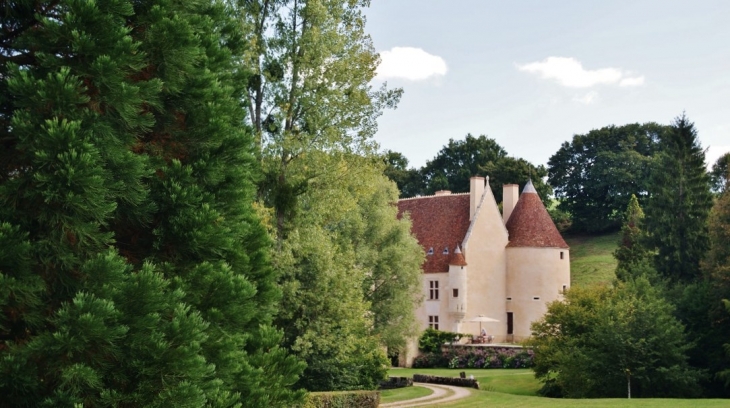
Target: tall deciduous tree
x=717, y=265
x=314, y=113
x=391, y=259
x=134, y=271
x=407, y=179
x=595, y=174
x=460, y=160
x=612, y=342
x=310, y=65
x=720, y=174
x=351, y=277
x=676, y=215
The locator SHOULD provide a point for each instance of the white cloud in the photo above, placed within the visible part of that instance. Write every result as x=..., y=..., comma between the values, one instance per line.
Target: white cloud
x=713, y=153
x=410, y=63
x=588, y=98
x=635, y=81
x=570, y=72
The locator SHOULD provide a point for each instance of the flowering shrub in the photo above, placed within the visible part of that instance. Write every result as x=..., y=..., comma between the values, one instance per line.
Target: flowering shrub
x=476, y=357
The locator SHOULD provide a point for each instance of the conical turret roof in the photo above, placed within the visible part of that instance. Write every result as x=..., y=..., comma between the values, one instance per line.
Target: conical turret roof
x=530, y=224
x=457, y=258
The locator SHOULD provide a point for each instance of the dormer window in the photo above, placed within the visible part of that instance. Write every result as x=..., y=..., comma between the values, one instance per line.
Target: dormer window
x=430, y=251
x=446, y=251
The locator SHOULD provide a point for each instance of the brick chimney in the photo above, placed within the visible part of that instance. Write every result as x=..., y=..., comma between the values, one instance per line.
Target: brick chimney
x=510, y=195
x=476, y=191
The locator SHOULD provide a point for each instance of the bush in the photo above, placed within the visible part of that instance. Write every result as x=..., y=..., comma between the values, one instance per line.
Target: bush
x=342, y=399
x=453, y=381
x=473, y=357
x=396, y=382
x=431, y=340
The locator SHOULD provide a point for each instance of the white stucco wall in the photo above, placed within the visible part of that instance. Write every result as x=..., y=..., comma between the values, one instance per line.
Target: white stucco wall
x=486, y=278
x=438, y=307
x=534, y=273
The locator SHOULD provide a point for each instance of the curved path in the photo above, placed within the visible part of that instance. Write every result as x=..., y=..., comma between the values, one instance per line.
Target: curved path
x=440, y=395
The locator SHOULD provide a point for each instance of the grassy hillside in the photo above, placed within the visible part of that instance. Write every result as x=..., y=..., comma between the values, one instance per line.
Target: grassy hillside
x=591, y=258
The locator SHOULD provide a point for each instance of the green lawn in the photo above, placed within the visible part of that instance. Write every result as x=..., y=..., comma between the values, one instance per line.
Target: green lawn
x=510, y=381
x=591, y=258
x=517, y=388
x=400, y=394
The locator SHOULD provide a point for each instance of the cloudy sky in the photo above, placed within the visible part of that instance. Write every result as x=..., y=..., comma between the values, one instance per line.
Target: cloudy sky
x=531, y=74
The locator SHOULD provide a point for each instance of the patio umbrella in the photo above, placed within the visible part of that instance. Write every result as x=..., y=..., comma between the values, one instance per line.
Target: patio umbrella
x=483, y=319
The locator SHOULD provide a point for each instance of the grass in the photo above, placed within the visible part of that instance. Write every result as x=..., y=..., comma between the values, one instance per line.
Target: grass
x=400, y=394
x=500, y=400
x=511, y=381
x=517, y=388
x=591, y=258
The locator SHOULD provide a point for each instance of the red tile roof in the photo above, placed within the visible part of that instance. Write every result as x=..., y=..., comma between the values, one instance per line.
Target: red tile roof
x=530, y=224
x=457, y=258
x=438, y=222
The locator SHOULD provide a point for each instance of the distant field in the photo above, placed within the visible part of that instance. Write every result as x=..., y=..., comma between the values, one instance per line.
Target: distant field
x=591, y=258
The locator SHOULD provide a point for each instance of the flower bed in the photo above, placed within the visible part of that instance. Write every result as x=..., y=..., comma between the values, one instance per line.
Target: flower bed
x=476, y=357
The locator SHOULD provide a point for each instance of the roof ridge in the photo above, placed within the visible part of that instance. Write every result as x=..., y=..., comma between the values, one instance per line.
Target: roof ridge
x=431, y=196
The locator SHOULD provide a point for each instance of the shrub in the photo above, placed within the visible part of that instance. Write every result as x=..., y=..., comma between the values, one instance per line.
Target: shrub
x=342, y=399
x=482, y=357
x=431, y=340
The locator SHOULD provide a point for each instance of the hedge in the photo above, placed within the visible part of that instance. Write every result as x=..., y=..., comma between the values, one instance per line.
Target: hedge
x=454, y=381
x=342, y=399
x=476, y=357
x=396, y=382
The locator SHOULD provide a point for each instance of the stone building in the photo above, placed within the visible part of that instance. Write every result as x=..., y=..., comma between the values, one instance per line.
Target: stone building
x=482, y=263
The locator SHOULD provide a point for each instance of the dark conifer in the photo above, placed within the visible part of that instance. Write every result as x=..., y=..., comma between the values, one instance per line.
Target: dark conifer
x=133, y=269
x=676, y=214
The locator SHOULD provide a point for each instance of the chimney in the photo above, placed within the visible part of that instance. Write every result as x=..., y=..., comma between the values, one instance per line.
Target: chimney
x=442, y=193
x=510, y=195
x=476, y=191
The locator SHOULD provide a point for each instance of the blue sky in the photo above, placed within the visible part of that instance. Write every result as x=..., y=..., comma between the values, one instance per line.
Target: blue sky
x=531, y=74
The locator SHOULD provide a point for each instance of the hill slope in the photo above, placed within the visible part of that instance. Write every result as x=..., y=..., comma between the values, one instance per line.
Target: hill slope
x=591, y=258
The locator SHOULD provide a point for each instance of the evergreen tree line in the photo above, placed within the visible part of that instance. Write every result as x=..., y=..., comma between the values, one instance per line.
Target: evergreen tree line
x=662, y=328
x=192, y=212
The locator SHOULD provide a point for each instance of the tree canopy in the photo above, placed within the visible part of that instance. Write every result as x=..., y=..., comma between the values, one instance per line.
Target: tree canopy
x=351, y=277
x=349, y=269
x=720, y=173
x=460, y=160
x=610, y=342
x=595, y=174
x=310, y=65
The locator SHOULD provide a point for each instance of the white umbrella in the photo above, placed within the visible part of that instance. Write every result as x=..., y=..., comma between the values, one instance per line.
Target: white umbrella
x=483, y=319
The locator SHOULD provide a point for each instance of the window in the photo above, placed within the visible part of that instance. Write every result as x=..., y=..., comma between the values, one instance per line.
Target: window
x=446, y=251
x=509, y=298
x=433, y=290
x=565, y=287
x=430, y=251
x=561, y=255
x=433, y=322
x=456, y=293
x=510, y=323
x=536, y=298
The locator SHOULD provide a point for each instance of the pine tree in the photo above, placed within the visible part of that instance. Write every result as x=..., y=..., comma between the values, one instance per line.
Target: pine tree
x=631, y=253
x=676, y=214
x=133, y=271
